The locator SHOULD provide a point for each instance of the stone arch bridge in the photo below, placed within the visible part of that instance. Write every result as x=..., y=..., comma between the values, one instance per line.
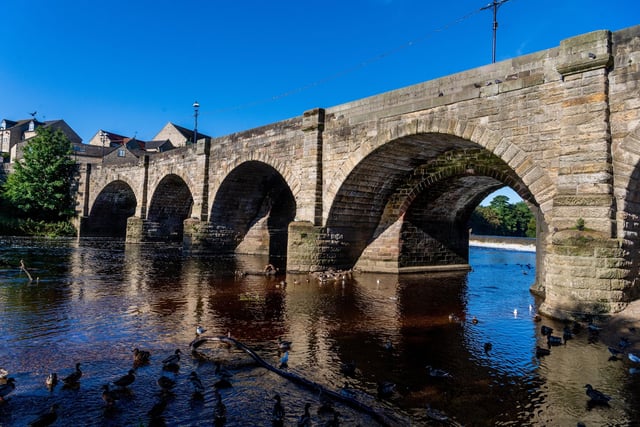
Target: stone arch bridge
x=387, y=183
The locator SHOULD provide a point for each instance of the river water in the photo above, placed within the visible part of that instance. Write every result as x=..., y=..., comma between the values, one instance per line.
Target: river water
x=91, y=302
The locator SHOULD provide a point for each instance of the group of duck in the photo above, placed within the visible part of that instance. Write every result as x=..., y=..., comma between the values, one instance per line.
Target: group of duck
x=596, y=397
x=119, y=389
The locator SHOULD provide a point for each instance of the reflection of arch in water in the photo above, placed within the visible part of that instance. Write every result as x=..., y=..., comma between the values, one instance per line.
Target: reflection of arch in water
x=170, y=205
x=110, y=211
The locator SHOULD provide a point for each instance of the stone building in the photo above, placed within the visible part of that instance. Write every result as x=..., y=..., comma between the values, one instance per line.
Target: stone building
x=14, y=134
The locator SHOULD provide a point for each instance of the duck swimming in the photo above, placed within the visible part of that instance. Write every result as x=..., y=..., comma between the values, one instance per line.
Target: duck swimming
x=126, y=380
x=596, y=396
x=7, y=388
x=140, y=357
x=73, y=378
x=51, y=381
x=174, y=358
x=439, y=373
x=109, y=397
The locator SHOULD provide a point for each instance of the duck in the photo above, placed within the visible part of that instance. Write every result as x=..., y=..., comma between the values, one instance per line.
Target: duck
x=540, y=352
x=474, y=320
x=109, y=397
x=166, y=383
x=596, y=396
x=348, y=368
x=7, y=388
x=174, y=358
x=219, y=411
x=305, y=418
x=73, y=378
x=277, y=415
x=386, y=389
x=47, y=418
x=200, y=330
x=487, y=347
x=126, y=379
x=284, y=345
x=158, y=408
x=545, y=330
x=140, y=357
x=51, y=381
x=553, y=340
x=198, y=388
x=284, y=360
x=438, y=373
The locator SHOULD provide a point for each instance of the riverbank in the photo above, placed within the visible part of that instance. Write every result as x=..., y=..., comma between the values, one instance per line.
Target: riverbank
x=502, y=242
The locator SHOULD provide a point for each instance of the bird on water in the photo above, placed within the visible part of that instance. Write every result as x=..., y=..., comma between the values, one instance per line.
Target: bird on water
x=596, y=396
x=72, y=379
x=7, y=388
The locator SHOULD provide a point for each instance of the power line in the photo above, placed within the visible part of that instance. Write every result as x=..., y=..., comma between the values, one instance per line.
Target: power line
x=366, y=62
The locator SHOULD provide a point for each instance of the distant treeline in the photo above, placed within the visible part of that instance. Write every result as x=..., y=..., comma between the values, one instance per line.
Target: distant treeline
x=502, y=218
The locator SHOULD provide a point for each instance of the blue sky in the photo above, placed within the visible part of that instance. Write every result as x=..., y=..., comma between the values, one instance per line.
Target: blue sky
x=132, y=66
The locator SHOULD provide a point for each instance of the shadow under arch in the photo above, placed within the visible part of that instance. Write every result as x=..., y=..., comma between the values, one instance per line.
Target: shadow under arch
x=170, y=205
x=253, y=207
x=110, y=211
x=407, y=203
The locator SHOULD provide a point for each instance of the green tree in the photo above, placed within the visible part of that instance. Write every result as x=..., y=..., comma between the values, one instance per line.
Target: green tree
x=40, y=184
x=501, y=218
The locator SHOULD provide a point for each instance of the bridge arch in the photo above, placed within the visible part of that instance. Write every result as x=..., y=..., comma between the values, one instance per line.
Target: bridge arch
x=405, y=202
x=171, y=204
x=252, y=209
x=529, y=180
x=111, y=208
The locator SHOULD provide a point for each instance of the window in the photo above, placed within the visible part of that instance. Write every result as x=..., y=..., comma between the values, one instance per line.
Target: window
x=32, y=126
x=121, y=152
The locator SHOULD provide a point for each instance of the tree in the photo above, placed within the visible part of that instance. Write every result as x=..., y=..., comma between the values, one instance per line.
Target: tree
x=501, y=218
x=40, y=184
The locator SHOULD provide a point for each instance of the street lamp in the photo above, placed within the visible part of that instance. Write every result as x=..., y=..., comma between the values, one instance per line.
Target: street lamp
x=195, y=115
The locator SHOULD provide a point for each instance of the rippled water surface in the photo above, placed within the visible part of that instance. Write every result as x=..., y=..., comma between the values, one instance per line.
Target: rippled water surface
x=92, y=302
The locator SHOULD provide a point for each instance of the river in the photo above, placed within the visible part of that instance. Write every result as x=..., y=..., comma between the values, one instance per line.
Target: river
x=92, y=302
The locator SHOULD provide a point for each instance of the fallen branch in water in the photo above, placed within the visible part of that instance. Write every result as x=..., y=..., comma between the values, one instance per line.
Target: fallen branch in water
x=23, y=268
x=376, y=414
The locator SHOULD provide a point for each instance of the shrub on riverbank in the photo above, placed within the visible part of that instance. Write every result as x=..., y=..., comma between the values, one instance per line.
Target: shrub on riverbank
x=11, y=226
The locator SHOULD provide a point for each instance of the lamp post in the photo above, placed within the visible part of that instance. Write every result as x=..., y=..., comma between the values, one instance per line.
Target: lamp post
x=195, y=127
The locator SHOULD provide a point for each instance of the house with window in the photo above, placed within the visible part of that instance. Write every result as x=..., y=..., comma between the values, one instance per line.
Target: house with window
x=15, y=134
x=177, y=135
